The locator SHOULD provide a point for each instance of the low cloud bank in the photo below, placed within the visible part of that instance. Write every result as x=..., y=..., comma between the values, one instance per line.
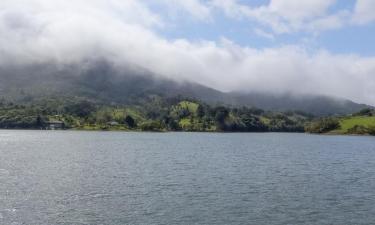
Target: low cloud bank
x=123, y=32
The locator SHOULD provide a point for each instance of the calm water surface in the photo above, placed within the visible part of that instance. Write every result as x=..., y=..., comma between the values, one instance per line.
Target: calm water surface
x=185, y=178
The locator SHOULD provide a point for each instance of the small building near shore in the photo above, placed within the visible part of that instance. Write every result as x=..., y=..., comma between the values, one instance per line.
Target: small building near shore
x=113, y=123
x=55, y=125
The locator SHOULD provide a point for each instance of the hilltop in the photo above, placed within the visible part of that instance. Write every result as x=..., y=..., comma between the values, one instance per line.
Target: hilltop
x=102, y=83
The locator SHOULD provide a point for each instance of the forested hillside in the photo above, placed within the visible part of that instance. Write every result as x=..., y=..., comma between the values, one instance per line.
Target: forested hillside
x=100, y=96
x=157, y=114
x=104, y=83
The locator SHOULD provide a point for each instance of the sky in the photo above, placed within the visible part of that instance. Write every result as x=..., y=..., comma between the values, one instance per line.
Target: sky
x=323, y=47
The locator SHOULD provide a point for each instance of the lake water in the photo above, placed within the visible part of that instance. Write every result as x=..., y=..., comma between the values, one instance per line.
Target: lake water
x=68, y=177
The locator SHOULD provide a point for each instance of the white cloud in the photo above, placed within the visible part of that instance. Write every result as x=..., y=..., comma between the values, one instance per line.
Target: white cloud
x=288, y=16
x=364, y=12
x=264, y=34
x=329, y=22
x=293, y=10
x=37, y=31
x=195, y=8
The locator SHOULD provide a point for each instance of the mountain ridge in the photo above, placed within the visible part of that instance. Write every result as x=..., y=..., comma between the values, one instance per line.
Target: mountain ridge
x=102, y=81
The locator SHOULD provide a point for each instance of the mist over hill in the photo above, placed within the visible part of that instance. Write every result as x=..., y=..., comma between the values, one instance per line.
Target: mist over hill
x=102, y=82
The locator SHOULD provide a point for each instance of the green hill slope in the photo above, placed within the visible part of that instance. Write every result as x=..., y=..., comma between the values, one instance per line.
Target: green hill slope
x=361, y=123
x=355, y=125
x=103, y=83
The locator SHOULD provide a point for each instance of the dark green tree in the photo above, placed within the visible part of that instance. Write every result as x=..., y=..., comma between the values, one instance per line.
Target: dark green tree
x=200, y=111
x=81, y=109
x=173, y=125
x=365, y=112
x=323, y=125
x=221, y=114
x=130, y=121
x=39, y=122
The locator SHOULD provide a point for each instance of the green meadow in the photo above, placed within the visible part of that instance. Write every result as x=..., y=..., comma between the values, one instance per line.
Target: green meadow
x=348, y=123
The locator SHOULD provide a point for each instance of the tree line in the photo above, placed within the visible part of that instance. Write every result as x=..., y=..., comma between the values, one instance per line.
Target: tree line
x=154, y=114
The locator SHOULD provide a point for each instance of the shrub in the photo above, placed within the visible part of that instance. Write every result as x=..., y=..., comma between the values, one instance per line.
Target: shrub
x=371, y=130
x=365, y=112
x=151, y=126
x=323, y=125
x=358, y=129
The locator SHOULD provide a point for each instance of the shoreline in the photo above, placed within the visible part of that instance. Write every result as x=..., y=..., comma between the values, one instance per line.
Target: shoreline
x=208, y=132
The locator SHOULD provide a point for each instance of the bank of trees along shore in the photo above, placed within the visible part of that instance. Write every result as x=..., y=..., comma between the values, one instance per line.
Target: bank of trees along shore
x=157, y=114
x=175, y=114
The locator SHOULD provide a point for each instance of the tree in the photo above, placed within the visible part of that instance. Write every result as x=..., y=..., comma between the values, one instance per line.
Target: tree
x=151, y=126
x=323, y=125
x=358, y=129
x=200, y=111
x=221, y=113
x=173, y=125
x=39, y=122
x=365, y=112
x=104, y=116
x=81, y=109
x=130, y=121
x=371, y=130
x=252, y=123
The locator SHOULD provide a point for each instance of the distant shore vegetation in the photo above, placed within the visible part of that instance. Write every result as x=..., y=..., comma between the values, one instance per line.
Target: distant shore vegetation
x=361, y=123
x=157, y=114
x=174, y=114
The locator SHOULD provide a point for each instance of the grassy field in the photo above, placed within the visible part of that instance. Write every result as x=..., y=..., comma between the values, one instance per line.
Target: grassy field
x=349, y=122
